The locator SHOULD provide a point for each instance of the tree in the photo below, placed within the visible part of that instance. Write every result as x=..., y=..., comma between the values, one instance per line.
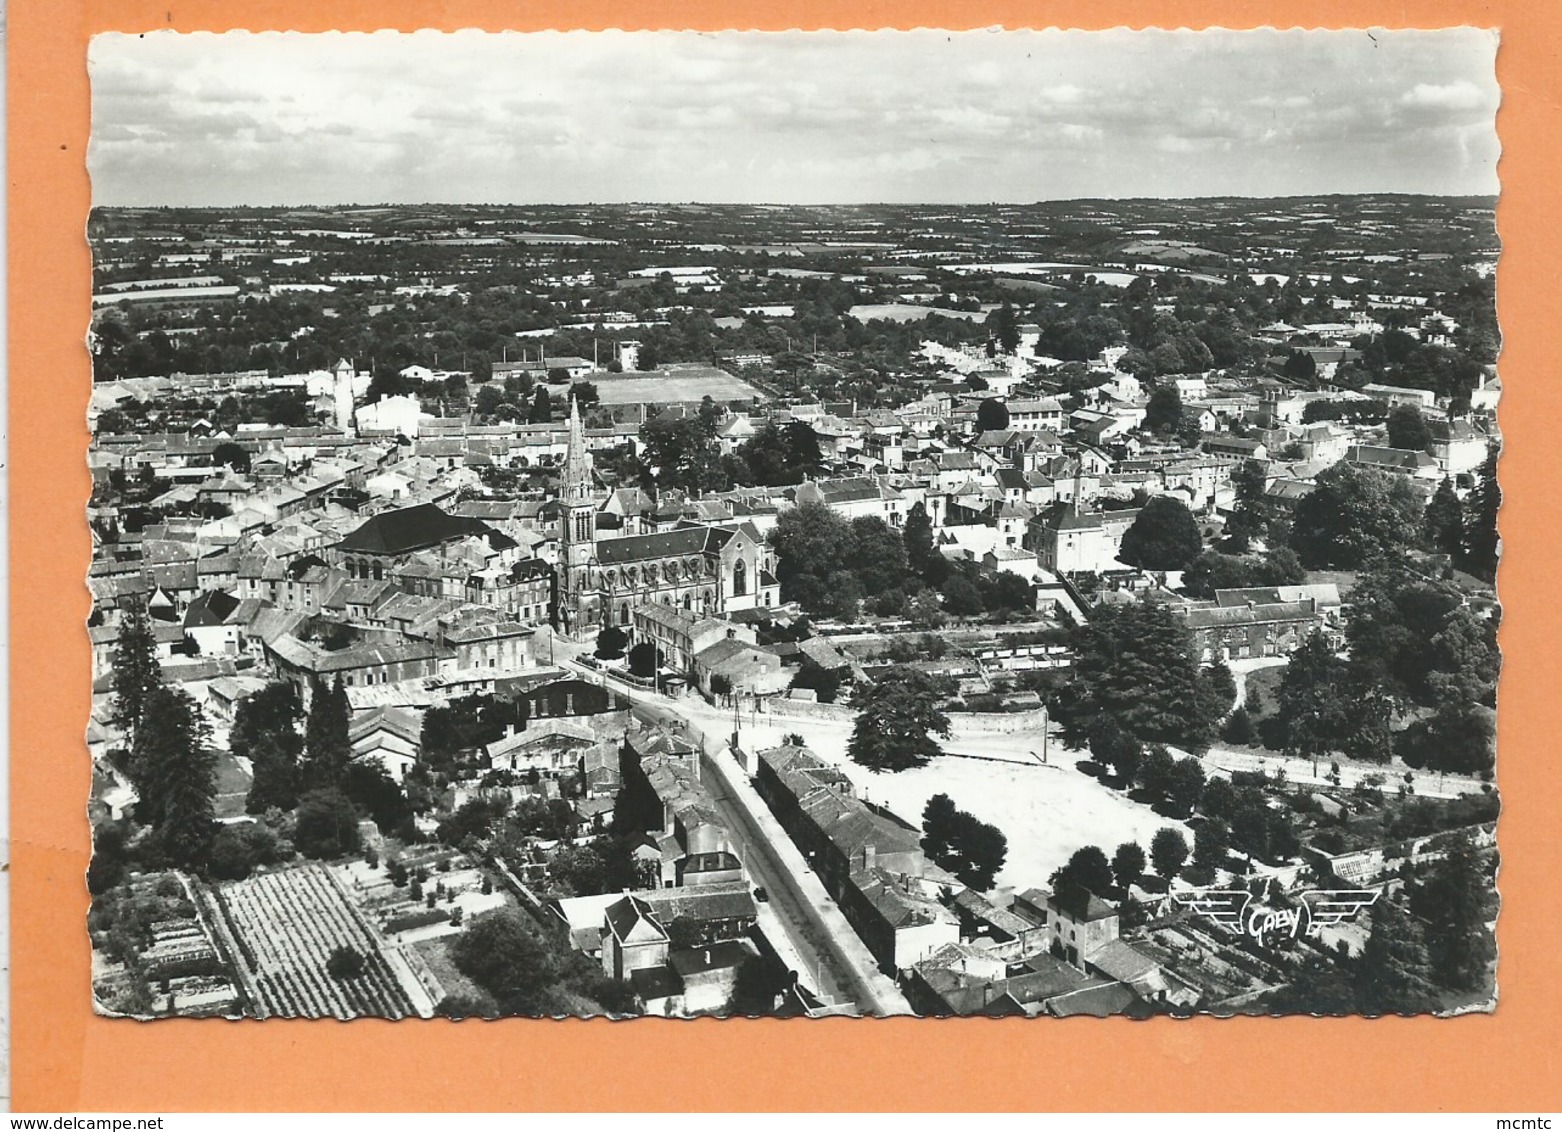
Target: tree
x=1006, y=591
x=1088, y=868
x=238, y=849
x=327, y=746
x=1250, y=823
x=684, y=452
x=1005, y=329
x=961, y=597
x=1393, y=973
x=992, y=415
x=1483, y=545
x=174, y=770
x=265, y=732
x=584, y=394
x=643, y=659
x=1455, y=902
x=1217, y=691
x=1211, y=843
x=372, y=790
x=1156, y=770
x=1164, y=536
x=345, y=963
x=499, y=954
x=1407, y=428
x=778, y=455
x=326, y=825
x=136, y=671
x=1136, y=664
x=1128, y=864
x=1219, y=799
x=759, y=983
x=1457, y=737
x=827, y=564
x=938, y=827
x=1111, y=746
x=1163, y=414
x=1251, y=514
x=825, y=683
x=897, y=717
x=542, y=409
x=1353, y=517
x=611, y=642
x=1300, y=366
x=963, y=844
x=1168, y=851
x=1443, y=522
x=1311, y=700
x=1239, y=728
x=1185, y=785
x=231, y=455
x=917, y=533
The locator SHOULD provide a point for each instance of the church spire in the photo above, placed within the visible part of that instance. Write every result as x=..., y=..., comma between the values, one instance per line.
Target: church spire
x=577, y=460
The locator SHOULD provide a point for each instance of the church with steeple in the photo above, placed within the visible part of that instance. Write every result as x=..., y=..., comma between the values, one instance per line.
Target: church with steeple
x=707, y=570
x=577, y=531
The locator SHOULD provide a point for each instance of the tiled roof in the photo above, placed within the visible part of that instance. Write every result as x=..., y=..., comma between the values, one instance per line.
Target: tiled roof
x=410, y=528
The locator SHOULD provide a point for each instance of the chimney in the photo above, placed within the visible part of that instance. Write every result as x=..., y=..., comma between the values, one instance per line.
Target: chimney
x=870, y=856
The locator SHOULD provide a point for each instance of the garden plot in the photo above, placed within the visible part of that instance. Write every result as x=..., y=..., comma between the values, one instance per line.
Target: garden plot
x=287, y=924
x=439, y=892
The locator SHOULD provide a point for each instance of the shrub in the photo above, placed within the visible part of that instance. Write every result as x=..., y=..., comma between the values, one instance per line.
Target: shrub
x=419, y=918
x=345, y=963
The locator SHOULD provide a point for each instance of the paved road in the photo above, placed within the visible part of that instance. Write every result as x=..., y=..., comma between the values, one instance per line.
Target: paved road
x=838, y=964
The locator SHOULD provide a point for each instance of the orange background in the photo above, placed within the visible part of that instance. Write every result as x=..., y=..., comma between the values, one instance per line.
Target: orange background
x=66, y=1058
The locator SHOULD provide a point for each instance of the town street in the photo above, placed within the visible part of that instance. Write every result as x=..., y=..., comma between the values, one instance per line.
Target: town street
x=837, y=963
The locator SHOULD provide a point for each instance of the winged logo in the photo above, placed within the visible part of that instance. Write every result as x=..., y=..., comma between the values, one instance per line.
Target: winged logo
x=1226, y=906
x=1328, y=906
x=1246, y=914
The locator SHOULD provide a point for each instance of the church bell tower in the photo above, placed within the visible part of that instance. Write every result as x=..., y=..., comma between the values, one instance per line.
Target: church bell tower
x=577, y=528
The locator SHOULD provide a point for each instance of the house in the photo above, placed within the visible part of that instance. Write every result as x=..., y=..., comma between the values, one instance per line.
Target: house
x=1078, y=922
x=633, y=939
x=1397, y=395
x=210, y=622
x=855, y=497
x=1238, y=632
x=1457, y=446
x=743, y=668
x=1043, y=414
x=662, y=778
x=1395, y=461
x=391, y=737
x=1067, y=540
x=679, y=635
x=1237, y=447
x=869, y=861
x=362, y=665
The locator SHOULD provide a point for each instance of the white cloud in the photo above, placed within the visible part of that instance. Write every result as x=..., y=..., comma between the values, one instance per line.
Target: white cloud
x=288, y=118
x=1461, y=95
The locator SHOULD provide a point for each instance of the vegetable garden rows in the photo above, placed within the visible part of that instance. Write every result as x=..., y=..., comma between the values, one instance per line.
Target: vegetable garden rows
x=287, y=924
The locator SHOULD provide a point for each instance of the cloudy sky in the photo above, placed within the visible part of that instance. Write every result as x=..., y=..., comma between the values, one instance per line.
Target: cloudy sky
x=284, y=118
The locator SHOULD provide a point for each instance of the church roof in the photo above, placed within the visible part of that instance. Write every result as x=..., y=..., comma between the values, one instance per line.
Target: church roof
x=666, y=544
x=409, y=528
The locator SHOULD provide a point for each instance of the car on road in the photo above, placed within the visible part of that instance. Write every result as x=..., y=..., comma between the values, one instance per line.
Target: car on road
x=761, y=895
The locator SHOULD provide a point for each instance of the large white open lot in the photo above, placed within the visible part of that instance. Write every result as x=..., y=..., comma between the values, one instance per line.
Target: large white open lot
x=1046, y=811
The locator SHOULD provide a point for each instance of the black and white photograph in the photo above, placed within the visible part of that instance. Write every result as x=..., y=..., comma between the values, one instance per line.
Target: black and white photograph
x=794, y=524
